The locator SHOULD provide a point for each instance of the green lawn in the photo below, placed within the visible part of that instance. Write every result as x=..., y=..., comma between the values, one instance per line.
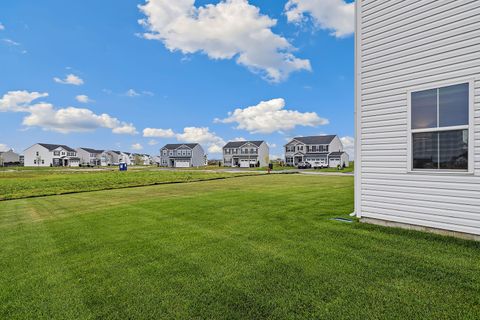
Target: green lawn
x=15, y=184
x=244, y=248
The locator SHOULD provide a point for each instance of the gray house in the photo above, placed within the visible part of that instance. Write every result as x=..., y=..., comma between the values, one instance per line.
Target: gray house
x=51, y=155
x=182, y=155
x=319, y=151
x=9, y=158
x=246, y=154
x=417, y=111
x=89, y=157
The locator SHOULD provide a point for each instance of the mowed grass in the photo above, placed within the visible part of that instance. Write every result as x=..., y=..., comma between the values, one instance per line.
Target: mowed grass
x=16, y=184
x=244, y=248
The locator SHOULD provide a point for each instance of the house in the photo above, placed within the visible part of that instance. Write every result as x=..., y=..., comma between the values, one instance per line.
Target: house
x=51, y=155
x=128, y=158
x=417, y=111
x=9, y=158
x=182, y=155
x=319, y=151
x=246, y=154
x=89, y=157
x=141, y=159
x=114, y=158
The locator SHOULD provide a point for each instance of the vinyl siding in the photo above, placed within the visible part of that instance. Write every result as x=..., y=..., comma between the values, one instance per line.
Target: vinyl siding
x=403, y=45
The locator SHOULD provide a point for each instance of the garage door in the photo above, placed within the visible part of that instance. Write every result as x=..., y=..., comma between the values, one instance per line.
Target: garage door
x=334, y=163
x=247, y=163
x=182, y=164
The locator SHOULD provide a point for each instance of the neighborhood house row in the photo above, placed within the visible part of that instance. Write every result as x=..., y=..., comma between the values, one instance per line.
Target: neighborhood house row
x=317, y=151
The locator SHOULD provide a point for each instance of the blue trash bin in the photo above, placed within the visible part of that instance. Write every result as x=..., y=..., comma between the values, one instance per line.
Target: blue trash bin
x=122, y=167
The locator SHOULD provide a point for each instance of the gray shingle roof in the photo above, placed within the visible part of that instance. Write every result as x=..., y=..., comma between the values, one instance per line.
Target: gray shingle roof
x=336, y=154
x=52, y=147
x=238, y=144
x=89, y=150
x=173, y=146
x=316, y=139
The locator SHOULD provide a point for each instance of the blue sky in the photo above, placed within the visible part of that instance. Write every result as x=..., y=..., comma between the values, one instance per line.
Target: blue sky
x=175, y=75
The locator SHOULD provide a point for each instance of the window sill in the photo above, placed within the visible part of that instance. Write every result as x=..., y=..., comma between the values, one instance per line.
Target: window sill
x=441, y=172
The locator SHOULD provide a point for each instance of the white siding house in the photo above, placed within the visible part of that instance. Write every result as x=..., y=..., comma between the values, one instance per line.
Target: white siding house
x=9, y=158
x=418, y=115
x=50, y=155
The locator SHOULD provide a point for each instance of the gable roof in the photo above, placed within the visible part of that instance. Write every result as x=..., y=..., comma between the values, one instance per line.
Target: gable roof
x=173, y=146
x=316, y=139
x=52, y=147
x=91, y=150
x=238, y=144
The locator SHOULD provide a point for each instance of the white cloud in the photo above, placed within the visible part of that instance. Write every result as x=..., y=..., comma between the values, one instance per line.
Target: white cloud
x=83, y=98
x=3, y=147
x=2, y=27
x=69, y=79
x=349, y=145
x=64, y=120
x=132, y=93
x=152, y=142
x=203, y=136
x=239, y=139
x=19, y=101
x=137, y=146
x=338, y=16
x=271, y=145
x=230, y=29
x=158, y=133
x=10, y=42
x=270, y=116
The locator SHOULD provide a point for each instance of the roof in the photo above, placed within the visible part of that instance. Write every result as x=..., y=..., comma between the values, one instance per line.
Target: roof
x=337, y=154
x=316, y=139
x=52, y=147
x=173, y=146
x=89, y=150
x=238, y=144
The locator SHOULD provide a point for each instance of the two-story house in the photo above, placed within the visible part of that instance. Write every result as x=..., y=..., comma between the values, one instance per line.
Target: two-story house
x=246, y=154
x=114, y=158
x=417, y=114
x=182, y=155
x=50, y=155
x=319, y=151
x=9, y=158
x=89, y=157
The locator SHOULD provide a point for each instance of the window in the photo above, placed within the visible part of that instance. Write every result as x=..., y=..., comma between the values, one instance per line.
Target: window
x=440, y=128
x=37, y=153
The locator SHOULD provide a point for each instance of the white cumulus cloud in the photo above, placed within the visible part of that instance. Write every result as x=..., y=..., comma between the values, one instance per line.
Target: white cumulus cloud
x=2, y=27
x=83, y=98
x=201, y=135
x=137, y=146
x=158, y=133
x=63, y=120
x=70, y=79
x=338, y=16
x=4, y=147
x=271, y=116
x=349, y=145
x=230, y=29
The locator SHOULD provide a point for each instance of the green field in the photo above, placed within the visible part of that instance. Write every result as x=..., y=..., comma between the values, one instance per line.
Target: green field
x=243, y=248
x=28, y=182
